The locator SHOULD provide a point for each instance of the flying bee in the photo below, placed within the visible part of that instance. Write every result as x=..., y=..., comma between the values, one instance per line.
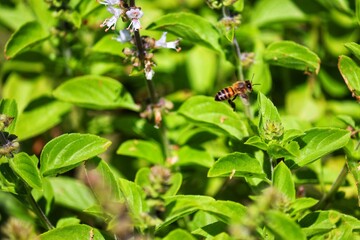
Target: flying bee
x=239, y=88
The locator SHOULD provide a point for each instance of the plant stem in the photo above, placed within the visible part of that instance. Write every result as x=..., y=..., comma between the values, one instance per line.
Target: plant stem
x=36, y=208
x=336, y=185
x=238, y=54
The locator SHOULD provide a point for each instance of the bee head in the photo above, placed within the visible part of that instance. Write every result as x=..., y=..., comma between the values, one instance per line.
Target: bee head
x=249, y=86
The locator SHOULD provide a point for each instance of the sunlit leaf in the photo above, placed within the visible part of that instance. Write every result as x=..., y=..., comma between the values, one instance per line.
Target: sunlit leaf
x=179, y=234
x=107, y=183
x=108, y=45
x=74, y=232
x=26, y=167
x=350, y=72
x=95, y=92
x=183, y=205
x=190, y=27
x=292, y=55
x=67, y=151
x=27, y=35
x=190, y=156
x=281, y=11
x=282, y=226
x=135, y=200
x=282, y=181
x=238, y=165
x=25, y=90
x=147, y=150
x=201, y=65
x=353, y=47
x=318, y=142
x=40, y=119
x=216, y=116
x=72, y=193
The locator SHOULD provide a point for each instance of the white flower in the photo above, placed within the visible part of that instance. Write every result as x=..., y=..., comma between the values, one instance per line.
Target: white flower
x=111, y=22
x=161, y=43
x=149, y=73
x=124, y=36
x=110, y=2
x=134, y=14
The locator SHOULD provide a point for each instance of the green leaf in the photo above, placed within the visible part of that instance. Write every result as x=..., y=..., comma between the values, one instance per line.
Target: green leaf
x=9, y=108
x=353, y=47
x=7, y=179
x=318, y=142
x=147, y=150
x=135, y=200
x=27, y=35
x=283, y=181
x=95, y=92
x=107, y=186
x=201, y=65
x=108, y=45
x=259, y=71
x=320, y=222
x=63, y=222
x=238, y=165
x=26, y=167
x=270, y=125
x=74, y=232
x=43, y=13
x=190, y=156
x=281, y=11
x=179, y=234
x=190, y=27
x=277, y=151
x=182, y=205
x=14, y=17
x=282, y=226
x=211, y=230
x=357, y=10
x=239, y=5
x=256, y=141
x=24, y=90
x=67, y=151
x=40, y=119
x=204, y=111
x=350, y=71
x=353, y=168
x=292, y=55
x=225, y=211
x=72, y=193
x=301, y=204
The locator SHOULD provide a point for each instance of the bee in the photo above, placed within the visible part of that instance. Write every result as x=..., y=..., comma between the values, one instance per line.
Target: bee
x=239, y=88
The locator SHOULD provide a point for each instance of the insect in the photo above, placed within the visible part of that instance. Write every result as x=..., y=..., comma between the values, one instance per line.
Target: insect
x=239, y=88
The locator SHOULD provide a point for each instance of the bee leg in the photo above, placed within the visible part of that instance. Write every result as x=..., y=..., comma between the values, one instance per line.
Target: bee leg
x=232, y=104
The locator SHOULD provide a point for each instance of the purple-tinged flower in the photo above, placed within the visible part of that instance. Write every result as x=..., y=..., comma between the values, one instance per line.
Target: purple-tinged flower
x=134, y=14
x=161, y=43
x=111, y=22
x=124, y=36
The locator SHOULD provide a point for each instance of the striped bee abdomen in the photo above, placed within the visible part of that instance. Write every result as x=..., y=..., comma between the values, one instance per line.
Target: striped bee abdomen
x=224, y=94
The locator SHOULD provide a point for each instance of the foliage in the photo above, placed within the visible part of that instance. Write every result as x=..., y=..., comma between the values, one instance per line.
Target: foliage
x=107, y=135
